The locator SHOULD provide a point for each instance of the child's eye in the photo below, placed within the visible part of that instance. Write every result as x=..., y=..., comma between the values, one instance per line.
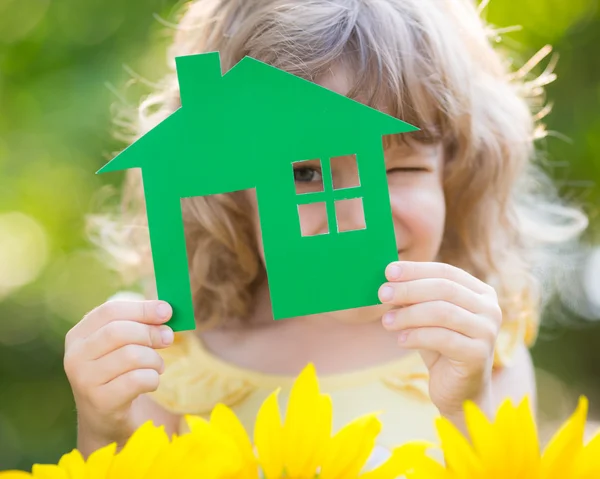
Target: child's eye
x=306, y=175
x=408, y=169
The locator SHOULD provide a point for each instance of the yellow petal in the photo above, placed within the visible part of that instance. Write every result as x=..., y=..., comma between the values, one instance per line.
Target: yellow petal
x=100, y=461
x=485, y=442
x=529, y=442
x=192, y=457
x=405, y=458
x=350, y=448
x=268, y=437
x=307, y=427
x=136, y=458
x=176, y=460
x=227, y=422
x=211, y=438
x=73, y=464
x=319, y=434
x=216, y=446
x=460, y=458
x=428, y=468
x=15, y=475
x=47, y=471
x=197, y=425
x=505, y=456
x=501, y=452
x=171, y=457
x=559, y=457
x=588, y=461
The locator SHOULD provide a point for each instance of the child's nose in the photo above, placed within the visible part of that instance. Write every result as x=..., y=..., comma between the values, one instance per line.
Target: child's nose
x=350, y=215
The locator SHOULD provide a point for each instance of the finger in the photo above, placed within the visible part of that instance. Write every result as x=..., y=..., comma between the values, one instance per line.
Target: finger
x=441, y=314
x=408, y=271
x=125, y=359
x=450, y=344
x=117, y=334
x=432, y=289
x=146, y=312
x=122, y=390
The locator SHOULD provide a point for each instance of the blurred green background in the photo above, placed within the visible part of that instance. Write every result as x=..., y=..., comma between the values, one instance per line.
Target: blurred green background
x=64, y=62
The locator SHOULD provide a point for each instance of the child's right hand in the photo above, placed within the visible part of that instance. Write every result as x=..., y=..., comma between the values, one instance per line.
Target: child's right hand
x=110, y=360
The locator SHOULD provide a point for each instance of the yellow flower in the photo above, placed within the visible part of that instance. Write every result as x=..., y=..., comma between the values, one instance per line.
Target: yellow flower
x=587, y=465
x=71, y=466
x=149, y=454
x=508, y=447
x=297, y=446
x=302, y=447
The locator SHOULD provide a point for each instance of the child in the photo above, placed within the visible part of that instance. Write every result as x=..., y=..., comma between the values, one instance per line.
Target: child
x=458, y=309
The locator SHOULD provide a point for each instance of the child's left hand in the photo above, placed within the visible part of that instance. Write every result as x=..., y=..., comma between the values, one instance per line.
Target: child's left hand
x=453, y=319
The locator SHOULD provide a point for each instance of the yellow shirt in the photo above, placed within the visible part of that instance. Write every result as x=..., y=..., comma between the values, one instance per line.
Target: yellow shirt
x=195, y=380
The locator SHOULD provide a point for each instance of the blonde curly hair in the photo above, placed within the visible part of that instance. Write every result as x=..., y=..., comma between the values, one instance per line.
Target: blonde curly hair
x=437, y=65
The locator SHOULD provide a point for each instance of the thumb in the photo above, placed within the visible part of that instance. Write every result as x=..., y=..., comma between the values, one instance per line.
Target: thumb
x=429, y=357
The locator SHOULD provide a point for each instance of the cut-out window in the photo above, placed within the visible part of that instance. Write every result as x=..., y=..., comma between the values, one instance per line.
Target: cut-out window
x=345, y=172
x=313, y=219
x=328, y=203
x=350, y=215
x=308, y=176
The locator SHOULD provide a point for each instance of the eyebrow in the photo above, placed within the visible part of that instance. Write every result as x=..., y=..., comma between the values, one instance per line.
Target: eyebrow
x=407, y=152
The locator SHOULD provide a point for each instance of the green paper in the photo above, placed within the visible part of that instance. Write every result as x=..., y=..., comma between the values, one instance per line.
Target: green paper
x=244, y=130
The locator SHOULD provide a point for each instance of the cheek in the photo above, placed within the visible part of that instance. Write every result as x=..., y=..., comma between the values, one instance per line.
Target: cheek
x=313, y=219
x=419, y=216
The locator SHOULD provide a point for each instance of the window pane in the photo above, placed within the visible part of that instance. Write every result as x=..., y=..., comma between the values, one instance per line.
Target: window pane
x=350, y=215
x=308, y=176
x=344, y=172
x=313, y=219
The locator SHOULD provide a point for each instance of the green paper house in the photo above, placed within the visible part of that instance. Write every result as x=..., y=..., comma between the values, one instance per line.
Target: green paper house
x=246, y=129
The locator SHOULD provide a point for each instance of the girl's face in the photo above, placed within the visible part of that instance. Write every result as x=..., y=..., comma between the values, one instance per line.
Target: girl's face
x=414, y=173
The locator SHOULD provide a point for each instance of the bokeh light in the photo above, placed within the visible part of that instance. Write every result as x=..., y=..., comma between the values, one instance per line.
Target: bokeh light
x=75, y=283
x=88, y=22
x=541, y=21
x=18, y=18
x=591, y=281
x=23, y=251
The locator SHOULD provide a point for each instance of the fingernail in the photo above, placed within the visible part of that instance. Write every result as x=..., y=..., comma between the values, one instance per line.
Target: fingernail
x=403, y=336
x=388, y=318
x=394, y=272
x=163, y=310
x=386, y=293
x=166, y=335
